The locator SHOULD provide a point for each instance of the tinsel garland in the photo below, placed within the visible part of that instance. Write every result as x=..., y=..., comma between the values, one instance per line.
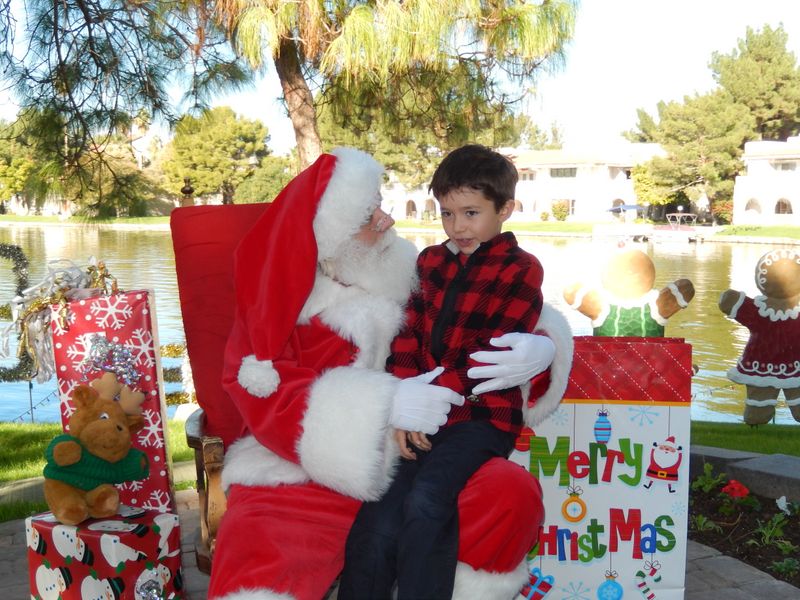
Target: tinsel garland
x=20, y=262
x=23, y=370
x=31, y=312
x=173, y=350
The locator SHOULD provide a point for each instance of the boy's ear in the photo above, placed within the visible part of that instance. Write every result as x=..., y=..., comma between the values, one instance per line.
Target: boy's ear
x=507, y=210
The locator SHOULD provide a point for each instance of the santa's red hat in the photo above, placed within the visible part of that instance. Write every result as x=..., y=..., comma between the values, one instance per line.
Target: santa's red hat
x=275, y=264
x=670, y=441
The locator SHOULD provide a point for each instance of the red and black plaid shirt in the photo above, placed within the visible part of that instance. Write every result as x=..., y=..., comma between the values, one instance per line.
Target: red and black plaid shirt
x=458, y=309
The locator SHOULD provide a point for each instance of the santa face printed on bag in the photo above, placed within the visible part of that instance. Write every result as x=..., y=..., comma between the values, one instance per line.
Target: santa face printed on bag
x=665, y=460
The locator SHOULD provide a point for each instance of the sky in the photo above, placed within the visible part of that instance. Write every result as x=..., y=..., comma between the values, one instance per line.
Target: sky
x=625, y=55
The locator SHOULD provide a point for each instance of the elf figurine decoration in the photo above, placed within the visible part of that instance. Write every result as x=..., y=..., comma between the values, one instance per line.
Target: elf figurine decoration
x=770, y=361
x=627, y=304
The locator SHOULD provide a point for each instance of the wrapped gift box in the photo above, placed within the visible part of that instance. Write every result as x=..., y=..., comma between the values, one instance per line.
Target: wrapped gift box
x=613, y=462
x=126, y=319
x=133, y=555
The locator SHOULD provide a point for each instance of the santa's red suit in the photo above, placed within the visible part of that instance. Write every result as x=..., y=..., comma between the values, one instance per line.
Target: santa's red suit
x=665, y=461
x=304, y=369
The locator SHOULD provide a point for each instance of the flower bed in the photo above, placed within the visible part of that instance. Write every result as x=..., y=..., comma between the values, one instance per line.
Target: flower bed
x=759, y=531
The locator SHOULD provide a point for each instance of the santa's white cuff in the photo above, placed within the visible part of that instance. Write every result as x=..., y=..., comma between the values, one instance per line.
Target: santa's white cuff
x=555, y=326
x=471, y=584
x=247, y=462
x=347, y=444
x=255, y=594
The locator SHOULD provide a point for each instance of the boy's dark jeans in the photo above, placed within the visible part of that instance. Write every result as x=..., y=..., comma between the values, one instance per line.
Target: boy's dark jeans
x=411, y=533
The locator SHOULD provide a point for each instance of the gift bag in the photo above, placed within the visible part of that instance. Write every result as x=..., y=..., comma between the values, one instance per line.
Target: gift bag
x=613, y=462
x=117, y=333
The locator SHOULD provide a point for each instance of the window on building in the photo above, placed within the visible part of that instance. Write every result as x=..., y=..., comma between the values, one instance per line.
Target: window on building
x=783, y=207
x=564, y=172
x=527, y=176
x=753, y=205
x=786, y=166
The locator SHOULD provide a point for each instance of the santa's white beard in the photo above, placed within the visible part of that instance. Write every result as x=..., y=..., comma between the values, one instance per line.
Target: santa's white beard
x=384, y=269
x=664, y=459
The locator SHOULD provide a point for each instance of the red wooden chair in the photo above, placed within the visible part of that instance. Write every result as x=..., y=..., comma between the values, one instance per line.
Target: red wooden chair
x=204, y=238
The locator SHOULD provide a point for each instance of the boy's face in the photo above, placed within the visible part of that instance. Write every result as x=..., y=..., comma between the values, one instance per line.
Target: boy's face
x=470, y=218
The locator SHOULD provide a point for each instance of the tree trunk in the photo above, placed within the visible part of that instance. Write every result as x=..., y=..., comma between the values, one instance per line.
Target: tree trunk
x=227, y=192
x=299, y=102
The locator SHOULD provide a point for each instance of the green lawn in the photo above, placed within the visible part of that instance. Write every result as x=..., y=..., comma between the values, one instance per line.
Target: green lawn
x=765, y=439
x=24, y=445
x=777, y=231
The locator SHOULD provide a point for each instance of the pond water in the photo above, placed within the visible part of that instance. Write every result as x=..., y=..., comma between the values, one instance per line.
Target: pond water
x=144, y=259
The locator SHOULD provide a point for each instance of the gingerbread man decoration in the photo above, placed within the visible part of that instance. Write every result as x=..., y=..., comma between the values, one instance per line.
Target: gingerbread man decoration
x=627, y=303
x=770, y=361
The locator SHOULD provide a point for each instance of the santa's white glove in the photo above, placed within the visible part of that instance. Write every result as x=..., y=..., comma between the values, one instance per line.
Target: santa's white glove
x=530, y=354
x=422, y=406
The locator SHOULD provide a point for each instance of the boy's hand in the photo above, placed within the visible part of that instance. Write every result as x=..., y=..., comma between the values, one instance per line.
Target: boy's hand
x=400, y=435
x=530, y=354
x=416, y=438
x=419, y=440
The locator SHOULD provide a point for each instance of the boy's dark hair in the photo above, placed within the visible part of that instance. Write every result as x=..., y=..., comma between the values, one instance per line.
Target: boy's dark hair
x=479, y=168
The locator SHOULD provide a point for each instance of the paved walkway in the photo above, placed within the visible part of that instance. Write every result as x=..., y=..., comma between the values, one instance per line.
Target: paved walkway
x=709, y=574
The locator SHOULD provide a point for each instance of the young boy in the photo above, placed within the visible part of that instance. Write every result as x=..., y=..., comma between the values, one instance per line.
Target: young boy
x=475, y=286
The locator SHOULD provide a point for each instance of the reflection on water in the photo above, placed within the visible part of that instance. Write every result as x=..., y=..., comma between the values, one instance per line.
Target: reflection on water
x=144, y=259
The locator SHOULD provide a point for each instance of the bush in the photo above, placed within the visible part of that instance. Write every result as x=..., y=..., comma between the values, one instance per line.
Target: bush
x=545, y=216
x=561, y=210
x=722, y=211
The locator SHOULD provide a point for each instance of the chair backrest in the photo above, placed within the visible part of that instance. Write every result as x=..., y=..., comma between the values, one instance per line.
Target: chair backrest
x=204, y=239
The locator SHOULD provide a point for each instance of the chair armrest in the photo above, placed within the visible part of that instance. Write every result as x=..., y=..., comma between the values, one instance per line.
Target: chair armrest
x=209, y=457
x=194, y=426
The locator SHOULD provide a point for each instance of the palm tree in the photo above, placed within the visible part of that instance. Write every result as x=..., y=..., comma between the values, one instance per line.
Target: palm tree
x=426, y=60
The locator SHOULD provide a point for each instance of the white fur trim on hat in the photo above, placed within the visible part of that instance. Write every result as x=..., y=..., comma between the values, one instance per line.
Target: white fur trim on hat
x=346, y=442
x=258, y=377
x=351, y=195
x=253, y=594
x=474, y=584
x=247, y=462
x=555, y=326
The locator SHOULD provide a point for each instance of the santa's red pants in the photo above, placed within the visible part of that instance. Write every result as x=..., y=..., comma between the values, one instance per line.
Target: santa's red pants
x=290, y=539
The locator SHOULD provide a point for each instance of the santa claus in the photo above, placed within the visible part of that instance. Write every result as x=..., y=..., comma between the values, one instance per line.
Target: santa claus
x=665, y=460
x=321, y=284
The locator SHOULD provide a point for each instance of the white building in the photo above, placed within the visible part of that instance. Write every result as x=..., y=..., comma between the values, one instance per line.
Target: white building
x=590, y=181
x=769, y=191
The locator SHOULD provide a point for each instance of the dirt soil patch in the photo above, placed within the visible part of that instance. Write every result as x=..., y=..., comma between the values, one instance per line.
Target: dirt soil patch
x=750, y=528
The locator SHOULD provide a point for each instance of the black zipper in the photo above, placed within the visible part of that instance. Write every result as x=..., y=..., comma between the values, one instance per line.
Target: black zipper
x=446, y=313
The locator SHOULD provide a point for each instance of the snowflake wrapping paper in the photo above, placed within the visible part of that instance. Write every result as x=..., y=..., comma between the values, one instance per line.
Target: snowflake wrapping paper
x=613, y=462
x=124, y=557
x=127, y=318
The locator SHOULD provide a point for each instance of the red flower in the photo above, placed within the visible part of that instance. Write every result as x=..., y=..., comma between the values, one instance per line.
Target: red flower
x=736, y=489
